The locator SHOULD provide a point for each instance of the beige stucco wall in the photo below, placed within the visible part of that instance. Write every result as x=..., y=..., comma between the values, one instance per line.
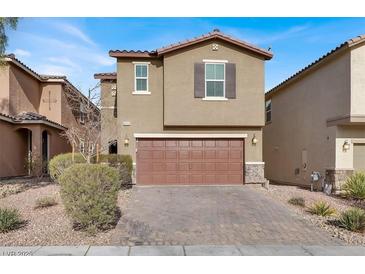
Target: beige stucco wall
x=245, y=110
x=25, y=91
x=145, y=113
x=299, y=122
x=4, y=89
x=109, y=121
x=352, y=134
x=358, y=80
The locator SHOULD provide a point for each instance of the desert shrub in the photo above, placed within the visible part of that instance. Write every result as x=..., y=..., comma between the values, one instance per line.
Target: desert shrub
x=60, y=162
x=355, y=186
x=297, y=201
x=123, y=163
x=89, y=193
x=45, y=202
x=322, y=209
x=353, y=219
x=9, y=219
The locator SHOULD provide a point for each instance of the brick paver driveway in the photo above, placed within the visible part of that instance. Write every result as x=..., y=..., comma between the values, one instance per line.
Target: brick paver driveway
x=222, y=215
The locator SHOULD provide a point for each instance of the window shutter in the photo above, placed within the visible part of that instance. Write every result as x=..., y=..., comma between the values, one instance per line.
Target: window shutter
x=199, y=80
x=231, y=81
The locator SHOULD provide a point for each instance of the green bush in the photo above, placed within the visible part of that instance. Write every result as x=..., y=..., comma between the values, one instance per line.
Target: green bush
x=45, y=202
x=60, y=162
x=355, y=186
x=9, y=219
x=116, y=159
x=353, y=219
x=123, y=163
x=90, y=193
x=297, y=201
x=322, y=209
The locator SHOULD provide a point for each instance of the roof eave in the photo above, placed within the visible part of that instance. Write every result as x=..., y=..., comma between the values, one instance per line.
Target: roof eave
x=265, y=54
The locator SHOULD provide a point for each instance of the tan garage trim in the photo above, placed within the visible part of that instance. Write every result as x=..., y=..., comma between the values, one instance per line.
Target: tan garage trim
x=186, y=135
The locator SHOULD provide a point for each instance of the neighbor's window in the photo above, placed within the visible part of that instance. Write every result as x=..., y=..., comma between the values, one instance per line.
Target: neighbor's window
x=141, y=77
x=82, y=146
x=82, y=114
x=268, y=110
x=214, y=80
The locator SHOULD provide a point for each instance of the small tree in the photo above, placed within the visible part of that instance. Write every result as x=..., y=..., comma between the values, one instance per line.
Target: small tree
x=84, y=135
x=6, y=22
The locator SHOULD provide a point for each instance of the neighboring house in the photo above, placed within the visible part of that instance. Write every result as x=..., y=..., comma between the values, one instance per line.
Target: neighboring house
x=192, y=112
x=108, y=110
x=315, y=120
x=34, y=111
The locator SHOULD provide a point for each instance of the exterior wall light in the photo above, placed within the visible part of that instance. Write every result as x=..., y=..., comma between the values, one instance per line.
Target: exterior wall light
x=254, y=140
x=126, y=141
x=346, y=146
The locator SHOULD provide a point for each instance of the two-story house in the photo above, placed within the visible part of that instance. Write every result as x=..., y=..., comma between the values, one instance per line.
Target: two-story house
x=315, y=119
x=192, y=112
x=34, y=113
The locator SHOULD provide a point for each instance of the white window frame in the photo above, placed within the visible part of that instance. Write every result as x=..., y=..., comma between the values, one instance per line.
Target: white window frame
x=224, y=81
x=267, y=102
x=146, y=78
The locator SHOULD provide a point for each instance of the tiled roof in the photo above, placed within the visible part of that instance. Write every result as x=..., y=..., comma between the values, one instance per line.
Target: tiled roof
x=349, y=43
x=24, y=117
x=46, y=77
x=106, y=75
x=215, y=34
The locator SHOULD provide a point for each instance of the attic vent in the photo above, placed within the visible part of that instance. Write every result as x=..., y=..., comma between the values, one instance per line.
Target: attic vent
x=215, y=47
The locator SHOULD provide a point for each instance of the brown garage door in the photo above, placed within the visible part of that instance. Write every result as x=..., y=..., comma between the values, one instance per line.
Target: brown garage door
x=190, y=161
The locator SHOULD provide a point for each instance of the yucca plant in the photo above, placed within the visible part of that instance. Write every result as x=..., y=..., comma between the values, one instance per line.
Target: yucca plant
x=9, y=219
x=355, y=186
x=321, y=208
x=297, y=201
x=353, y=219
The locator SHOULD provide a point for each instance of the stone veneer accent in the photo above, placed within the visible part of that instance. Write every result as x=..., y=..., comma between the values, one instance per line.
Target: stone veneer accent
x=337, y=177
x=254, y=172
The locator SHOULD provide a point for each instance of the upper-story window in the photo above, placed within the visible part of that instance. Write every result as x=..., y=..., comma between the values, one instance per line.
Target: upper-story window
x=215, y=79
x=141, y=77
x=268, y=111
x=82, y=114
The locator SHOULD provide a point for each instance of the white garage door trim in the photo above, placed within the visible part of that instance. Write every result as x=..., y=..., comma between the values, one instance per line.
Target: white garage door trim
x=186, y=135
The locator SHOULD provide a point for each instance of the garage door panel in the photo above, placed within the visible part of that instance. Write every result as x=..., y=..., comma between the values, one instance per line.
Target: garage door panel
x=183, y=155
x=171, y=155
x=158, y=155
x=171, y=167
x=183, y=166
x=235, y=154
x=235, y=167
x=197, y=155
x=236, y=143
x=190, y=161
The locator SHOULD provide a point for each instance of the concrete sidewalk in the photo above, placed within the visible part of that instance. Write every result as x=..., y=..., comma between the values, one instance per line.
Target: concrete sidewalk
x=196, y=250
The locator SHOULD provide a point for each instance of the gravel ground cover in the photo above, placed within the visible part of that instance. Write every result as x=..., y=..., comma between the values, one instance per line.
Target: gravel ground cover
x=284, y=193
x=51, y=225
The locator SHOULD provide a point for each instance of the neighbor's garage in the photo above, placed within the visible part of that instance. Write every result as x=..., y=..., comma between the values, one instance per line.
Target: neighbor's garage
x=359, y=157
x=189, y=161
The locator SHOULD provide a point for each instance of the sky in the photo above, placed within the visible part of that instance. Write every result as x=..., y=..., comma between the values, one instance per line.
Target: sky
x=78, y=47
